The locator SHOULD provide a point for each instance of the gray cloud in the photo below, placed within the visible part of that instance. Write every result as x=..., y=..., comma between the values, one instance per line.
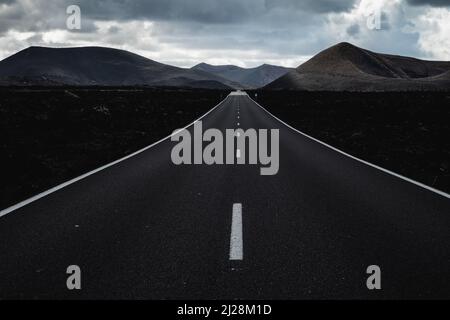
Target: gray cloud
x=434, y=3
x=353, y=30
x=317, y=6
x=205, y=11
x=189, y=31
x=385, y=24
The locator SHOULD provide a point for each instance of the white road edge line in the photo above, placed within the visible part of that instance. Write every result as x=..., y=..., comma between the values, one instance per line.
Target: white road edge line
x=67, y=183
x=236, y=243
x=419, y=184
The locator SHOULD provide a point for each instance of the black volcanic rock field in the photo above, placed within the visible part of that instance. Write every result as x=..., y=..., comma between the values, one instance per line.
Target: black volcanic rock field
x=48, y=136
x=407, y=133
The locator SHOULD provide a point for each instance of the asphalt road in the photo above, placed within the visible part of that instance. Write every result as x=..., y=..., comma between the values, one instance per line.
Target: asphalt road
x=145, y=228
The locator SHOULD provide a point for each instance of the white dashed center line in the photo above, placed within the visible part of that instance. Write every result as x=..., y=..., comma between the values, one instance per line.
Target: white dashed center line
x=236, y=243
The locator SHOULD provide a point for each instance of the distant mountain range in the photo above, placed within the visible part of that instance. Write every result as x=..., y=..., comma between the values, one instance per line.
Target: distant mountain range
x=249, y=78
x=345, y=67
x=87, y=66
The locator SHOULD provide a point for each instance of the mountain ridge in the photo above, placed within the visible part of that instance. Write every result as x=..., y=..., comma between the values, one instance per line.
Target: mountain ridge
x=249, y=78
x=348, y=67
x=98, y=66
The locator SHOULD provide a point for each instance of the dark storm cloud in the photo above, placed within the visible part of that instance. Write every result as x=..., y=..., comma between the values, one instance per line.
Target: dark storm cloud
x=189, y=31
x=434, y=3
x=50, y=14
x=318, y=6
x=204, y=11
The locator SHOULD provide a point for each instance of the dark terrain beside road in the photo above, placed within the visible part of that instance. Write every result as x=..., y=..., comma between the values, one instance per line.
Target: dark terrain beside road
x=407, y=133
x=48, y=136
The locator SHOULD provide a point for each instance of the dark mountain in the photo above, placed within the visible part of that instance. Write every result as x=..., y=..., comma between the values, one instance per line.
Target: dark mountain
x=347, y=67
x=99, y=66
x=247, y=77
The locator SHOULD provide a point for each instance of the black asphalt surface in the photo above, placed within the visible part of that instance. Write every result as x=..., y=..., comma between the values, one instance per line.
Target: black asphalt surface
x=148, y=229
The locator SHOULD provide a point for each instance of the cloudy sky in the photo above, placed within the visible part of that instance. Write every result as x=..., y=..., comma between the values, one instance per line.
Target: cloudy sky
x=241, y=32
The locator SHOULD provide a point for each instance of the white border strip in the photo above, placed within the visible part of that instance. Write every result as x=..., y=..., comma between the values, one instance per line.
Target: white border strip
x=419, y=184
x=67, y=183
